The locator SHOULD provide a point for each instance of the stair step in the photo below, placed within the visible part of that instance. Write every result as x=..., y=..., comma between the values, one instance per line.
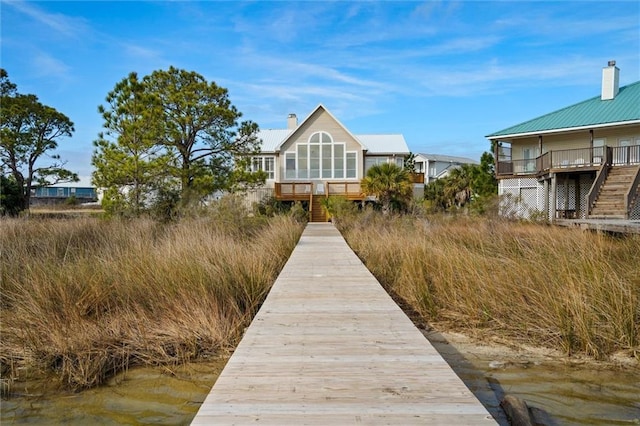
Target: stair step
x=609, y=205
x=607, y=216
x=607, y=212
x=613, y=191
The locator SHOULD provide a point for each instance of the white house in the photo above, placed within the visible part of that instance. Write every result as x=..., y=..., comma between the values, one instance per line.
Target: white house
x=319, y=157
x=436, y=166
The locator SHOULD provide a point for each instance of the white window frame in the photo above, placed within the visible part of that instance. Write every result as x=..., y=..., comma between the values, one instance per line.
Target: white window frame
x=346, y=167
x=290, y=156
x=259, y=163
x=303, y=169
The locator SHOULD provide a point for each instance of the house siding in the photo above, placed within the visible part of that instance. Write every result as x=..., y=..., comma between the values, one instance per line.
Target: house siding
x=320, y=120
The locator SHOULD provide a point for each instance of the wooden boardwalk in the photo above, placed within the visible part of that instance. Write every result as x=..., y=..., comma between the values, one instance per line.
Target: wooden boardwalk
x=330, y=347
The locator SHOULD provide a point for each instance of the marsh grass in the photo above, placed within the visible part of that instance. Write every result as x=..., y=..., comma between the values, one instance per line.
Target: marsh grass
x=564, y=288
x=86, y=298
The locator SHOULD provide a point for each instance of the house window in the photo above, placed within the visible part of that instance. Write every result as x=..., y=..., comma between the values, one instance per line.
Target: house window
x=598, y=150
x=529, y=155
x=290, y=165
x=270, y=167
x=319, y=158
x=303, y=171
x=266, y=164
x=373, y=161
x=338, y=161
x=352, y=164
x=314, y=161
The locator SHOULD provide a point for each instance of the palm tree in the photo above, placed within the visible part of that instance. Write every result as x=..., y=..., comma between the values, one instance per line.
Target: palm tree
x=458, y=185
x=389, y=183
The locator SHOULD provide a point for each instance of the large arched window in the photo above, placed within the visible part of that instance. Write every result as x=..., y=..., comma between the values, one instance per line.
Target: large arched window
x=321, y=158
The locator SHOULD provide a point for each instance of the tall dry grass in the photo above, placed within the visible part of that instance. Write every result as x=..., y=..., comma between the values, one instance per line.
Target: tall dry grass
x=563, y=288
x=87, y=298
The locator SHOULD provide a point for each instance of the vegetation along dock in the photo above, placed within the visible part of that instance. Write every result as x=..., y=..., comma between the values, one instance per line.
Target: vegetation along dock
x=329, y=346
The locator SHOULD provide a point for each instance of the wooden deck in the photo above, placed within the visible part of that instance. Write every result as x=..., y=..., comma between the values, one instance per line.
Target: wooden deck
x=619, y=226
x=330, y=347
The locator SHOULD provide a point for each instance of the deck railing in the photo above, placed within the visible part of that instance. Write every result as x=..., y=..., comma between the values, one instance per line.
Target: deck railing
x=345, y=189
x=293, y=190
x=417, y=177
x=626, y=155
x=303, y=190
x=601, y=176
x=576, y=157
x=569, y=159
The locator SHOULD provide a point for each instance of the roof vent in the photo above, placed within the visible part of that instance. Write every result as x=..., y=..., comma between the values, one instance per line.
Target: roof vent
x=610, y=77
x=292, y=121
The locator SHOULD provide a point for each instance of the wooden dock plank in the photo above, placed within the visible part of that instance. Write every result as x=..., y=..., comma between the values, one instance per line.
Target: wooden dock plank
x=329, y=346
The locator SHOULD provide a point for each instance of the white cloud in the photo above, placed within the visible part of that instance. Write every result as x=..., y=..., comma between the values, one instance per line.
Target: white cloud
x=62, y=24
x=141, y=53
x=45, y=65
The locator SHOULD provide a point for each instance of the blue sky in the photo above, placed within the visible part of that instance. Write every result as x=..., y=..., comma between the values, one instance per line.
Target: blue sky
x=444, y=74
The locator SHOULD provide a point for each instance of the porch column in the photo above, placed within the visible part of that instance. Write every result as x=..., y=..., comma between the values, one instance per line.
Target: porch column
x=554, y=184
x=539, y=145
x=496, y=150
x=545, y=195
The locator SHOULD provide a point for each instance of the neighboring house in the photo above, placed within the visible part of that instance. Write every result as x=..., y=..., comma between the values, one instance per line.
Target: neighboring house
x=59, y=194
x=320, y=157
x=435, y=166
x=582, y=161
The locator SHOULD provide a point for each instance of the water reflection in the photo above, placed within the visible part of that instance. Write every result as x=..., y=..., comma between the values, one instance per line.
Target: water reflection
x=142, y=396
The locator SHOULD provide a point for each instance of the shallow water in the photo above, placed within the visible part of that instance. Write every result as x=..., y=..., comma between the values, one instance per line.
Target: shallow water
x=140, y=396
x=570, y=394
x=563, y=392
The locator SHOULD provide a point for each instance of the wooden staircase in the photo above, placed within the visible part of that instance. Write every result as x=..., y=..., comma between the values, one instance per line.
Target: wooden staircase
x=610, y=203
x=317, y=213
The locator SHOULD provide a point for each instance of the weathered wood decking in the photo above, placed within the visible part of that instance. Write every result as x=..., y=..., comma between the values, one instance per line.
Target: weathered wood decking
x=330, y=347
x=606, y=225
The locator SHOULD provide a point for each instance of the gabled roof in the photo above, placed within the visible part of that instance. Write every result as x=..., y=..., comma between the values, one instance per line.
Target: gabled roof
x=592, y=113
x=273, y=139
x=447, y=158
x=319, y=107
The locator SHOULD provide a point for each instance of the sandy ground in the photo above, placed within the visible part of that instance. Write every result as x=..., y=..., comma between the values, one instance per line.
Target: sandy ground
x=509, y=351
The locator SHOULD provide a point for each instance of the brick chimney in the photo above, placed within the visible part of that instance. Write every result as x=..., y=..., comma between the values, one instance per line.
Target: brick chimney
x=292, y=121
x=610, y=77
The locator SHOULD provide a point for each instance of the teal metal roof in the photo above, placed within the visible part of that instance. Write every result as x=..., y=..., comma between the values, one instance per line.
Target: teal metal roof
x=592, y=112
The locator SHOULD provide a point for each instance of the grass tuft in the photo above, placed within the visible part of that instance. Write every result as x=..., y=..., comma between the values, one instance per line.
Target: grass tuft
x=558, y=287
x=87, y=298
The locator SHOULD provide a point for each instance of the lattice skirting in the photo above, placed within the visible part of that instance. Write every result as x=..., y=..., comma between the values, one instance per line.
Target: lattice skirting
x=635, y=212
x=526, y=197
x=567, y=195
x=523, y=197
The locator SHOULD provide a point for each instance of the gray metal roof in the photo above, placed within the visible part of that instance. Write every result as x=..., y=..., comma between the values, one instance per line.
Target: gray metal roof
x=447, y=158
x=272, y=138
x=384, y=144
